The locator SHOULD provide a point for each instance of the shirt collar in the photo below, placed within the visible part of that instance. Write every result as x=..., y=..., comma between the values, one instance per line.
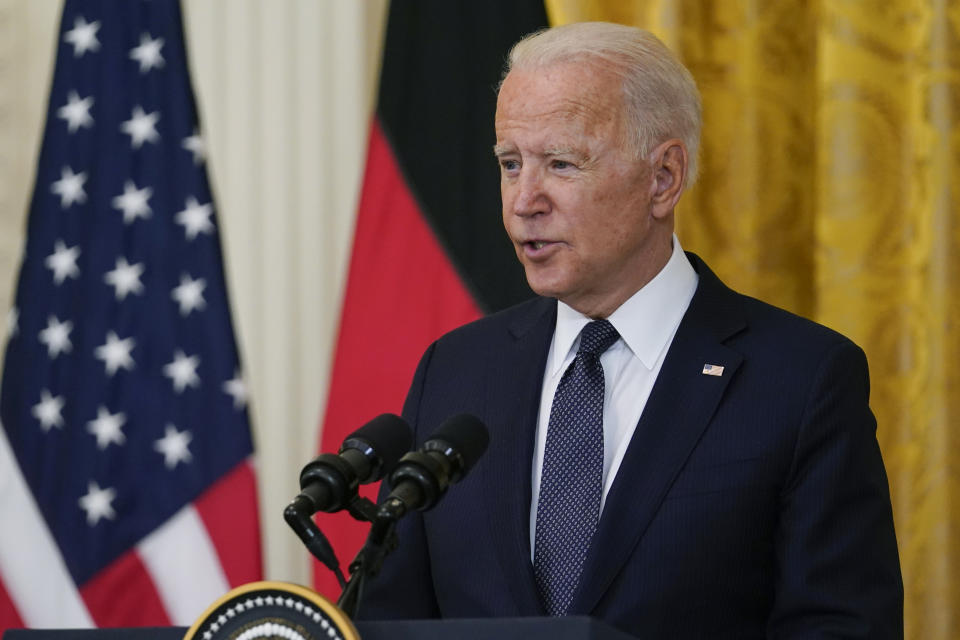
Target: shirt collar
x=645, y=322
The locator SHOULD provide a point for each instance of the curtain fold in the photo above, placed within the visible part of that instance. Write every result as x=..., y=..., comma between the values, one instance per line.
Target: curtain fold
x=830, y=165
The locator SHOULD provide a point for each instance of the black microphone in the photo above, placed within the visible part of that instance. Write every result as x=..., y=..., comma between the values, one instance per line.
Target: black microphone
x=422, y=477
x=331, y=481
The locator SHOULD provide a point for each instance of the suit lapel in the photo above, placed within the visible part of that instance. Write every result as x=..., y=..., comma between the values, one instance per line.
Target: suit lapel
x=680, y=407
x=517, y=376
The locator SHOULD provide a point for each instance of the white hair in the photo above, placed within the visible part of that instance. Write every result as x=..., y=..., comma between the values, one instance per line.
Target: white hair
x=660, y=95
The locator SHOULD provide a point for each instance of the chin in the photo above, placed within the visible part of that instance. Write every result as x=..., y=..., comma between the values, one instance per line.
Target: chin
x=546, y=287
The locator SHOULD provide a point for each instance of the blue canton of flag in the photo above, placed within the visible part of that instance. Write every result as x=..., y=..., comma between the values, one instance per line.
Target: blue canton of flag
x=125, y=448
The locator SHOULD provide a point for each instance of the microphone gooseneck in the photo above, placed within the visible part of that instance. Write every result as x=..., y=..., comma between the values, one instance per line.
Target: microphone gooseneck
x=418, y=482
x=330, y=482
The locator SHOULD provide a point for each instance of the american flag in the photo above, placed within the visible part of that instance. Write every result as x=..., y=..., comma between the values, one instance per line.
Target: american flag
x=126, y=488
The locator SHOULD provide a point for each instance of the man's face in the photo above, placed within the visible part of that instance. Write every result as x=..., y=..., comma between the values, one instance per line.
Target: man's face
x=576, y=200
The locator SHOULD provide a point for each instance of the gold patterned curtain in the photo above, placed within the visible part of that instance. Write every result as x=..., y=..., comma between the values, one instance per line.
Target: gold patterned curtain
x=830, y=178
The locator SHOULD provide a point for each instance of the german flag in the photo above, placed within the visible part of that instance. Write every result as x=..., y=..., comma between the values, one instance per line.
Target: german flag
x=429, y=251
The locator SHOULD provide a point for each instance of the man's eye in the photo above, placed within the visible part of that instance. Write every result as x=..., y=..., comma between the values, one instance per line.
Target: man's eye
x=562, y=164
x=509, y=165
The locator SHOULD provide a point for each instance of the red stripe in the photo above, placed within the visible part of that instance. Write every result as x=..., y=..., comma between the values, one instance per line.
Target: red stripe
x=9, y=616
x=402, y=293
x=123, y=595
x=229, y=513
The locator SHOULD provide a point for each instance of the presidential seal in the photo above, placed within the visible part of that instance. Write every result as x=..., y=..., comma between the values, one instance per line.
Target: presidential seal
x=272, y=611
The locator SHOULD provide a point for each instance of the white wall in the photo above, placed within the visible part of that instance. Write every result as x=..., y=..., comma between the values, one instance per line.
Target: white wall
x=285, y=90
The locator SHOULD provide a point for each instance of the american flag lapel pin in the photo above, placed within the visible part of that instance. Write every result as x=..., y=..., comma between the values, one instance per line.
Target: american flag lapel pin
x=712, y=370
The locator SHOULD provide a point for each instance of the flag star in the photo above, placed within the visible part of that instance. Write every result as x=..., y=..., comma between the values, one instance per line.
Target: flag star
x=236, y=388
x=148, y=53
x=70, y=187
x=47, y=411
x=107, y=427
x=133, y=202
x=57, y=337
x=173, y=446
x=141, y=127
x=195, y=145
x=97, y=503
x=189, y=294
x=115, y=353
x=83, y=36
x=125, y=278
x=63, y=262
x=195, y=218
x=183, y=371
x=13, y=322
x=76, y=112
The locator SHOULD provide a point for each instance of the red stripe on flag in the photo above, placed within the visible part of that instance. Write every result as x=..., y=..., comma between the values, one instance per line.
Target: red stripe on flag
x=123, y=595
x=9, y=616
x=229, y=513
x=402, y=293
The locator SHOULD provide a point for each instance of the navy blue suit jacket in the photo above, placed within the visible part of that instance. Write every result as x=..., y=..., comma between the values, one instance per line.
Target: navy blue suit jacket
x=748, y=505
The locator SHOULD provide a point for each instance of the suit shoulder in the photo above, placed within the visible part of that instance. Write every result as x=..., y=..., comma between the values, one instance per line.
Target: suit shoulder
x=786, y=346
x=768, y=321
x=513, y=320
x=730, y=312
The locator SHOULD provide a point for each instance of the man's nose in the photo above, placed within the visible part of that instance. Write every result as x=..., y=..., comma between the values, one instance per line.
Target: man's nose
x=530, y=196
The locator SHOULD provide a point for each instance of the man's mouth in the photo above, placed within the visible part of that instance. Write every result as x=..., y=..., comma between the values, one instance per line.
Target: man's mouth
x=537, y=248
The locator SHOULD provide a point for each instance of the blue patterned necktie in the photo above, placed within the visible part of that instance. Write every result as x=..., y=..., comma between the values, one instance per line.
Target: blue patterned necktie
x=571, y=483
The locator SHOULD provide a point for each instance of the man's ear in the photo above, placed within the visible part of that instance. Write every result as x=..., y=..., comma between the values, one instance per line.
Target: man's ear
x=669, y=165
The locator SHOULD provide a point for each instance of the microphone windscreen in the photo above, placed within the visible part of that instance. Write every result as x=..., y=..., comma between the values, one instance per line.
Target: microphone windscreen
x=466, y=434
x=388, y=435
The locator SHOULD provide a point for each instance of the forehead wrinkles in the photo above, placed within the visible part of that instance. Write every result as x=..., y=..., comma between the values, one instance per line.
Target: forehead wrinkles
x=586, y=99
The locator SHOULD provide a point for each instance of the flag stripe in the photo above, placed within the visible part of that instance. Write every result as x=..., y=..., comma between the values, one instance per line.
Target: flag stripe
x=9, y=617
x=31, y=566
x=124, y=595
x=429, y=252
x=183, y=563
x=447, y=157
x=229, y=513
x=396, y=267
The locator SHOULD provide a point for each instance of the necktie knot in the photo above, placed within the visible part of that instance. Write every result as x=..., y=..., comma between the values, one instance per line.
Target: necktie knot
x=597, y=337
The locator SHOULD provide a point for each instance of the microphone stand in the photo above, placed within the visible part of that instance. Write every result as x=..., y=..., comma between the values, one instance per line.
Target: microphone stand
x=298, y=515
x=381, y=540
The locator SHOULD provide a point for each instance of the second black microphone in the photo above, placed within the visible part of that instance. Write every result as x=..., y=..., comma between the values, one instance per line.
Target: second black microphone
x=422, y=477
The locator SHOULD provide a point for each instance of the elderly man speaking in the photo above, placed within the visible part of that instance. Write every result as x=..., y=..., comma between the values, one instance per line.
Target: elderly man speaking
x=667, y=455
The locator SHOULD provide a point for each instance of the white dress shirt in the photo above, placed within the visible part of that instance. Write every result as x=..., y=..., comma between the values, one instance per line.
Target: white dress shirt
x=646, y=322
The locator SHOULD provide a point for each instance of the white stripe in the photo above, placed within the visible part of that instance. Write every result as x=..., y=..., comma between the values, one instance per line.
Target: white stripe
x=183, y=563
x=32, y=569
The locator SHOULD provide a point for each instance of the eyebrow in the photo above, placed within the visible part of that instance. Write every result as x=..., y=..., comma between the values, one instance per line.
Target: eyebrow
x=561, y=151
x=507, y=149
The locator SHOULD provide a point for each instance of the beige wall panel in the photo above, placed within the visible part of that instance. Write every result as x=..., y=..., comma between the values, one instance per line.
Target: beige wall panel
x=27, y=44
x=285, y=91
